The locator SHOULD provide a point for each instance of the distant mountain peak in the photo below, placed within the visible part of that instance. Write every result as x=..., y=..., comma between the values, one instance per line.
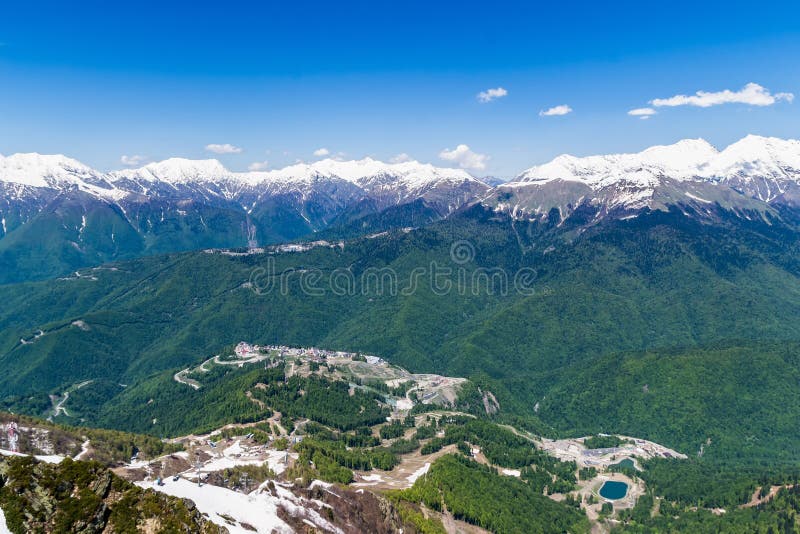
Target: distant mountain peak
x=680, y=160
x=359, y=172
x=43, y=170
x=175, y=171
x=182, y=169
x=685, y=151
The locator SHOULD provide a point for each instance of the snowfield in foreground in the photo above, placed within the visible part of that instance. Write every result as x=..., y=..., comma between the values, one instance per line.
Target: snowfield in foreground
x=258, y=510
x=241, y=513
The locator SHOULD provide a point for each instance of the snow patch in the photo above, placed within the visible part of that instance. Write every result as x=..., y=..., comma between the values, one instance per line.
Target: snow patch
x=84, y=451
x=48, y=459
x=419, y=472
x=695, y=197
x=3, y=526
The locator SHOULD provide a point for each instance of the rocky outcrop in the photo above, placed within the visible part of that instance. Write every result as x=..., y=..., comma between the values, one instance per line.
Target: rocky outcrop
x=85, y=497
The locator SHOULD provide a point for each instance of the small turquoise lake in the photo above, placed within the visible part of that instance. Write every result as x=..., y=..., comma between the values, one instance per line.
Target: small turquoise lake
x=614, y=490
x=627, y=463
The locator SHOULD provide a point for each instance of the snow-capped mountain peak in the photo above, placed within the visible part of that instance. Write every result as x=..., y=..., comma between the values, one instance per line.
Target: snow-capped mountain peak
x=761, y=167
x=40, y=170
x=754, y=153
x=363, y=171
x=175, y=178
x=178, y=170
x=685, y=154
x=753, y=169
x=680, y=160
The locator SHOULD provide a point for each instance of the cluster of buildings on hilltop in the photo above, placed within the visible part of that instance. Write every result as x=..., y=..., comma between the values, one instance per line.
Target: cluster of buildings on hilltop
x=246, y=350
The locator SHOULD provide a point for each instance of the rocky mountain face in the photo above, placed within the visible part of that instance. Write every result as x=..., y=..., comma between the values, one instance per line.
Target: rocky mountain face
x=750, y=177
x=57, y=214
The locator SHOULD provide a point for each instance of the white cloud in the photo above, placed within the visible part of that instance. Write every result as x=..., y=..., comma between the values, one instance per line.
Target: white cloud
x=320, y=152
x=258, y=166
x=132, y=161
x=401, y=158
x=223, y=149
x=563, y=109
x=642, y=113
x=466, y=158
x=751, y=94
x=491, y=94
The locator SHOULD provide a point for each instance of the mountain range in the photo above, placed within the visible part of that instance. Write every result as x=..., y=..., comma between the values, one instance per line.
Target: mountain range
x=57, y=214
x=753, y=174
x=661, y=300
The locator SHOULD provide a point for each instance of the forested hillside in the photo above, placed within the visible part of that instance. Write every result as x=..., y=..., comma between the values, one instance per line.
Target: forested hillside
x=650, y=307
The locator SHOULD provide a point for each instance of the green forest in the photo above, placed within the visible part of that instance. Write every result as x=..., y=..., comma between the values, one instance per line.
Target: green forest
x=478, y=495
x=657, y=326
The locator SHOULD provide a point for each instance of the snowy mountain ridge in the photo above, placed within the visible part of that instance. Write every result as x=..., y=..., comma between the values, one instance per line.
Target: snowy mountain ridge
x=762, y=167
x=38, y=170
x=329, y=182
x=83, y=216
x=740, y=165
x=754, y=174
x=681, y=160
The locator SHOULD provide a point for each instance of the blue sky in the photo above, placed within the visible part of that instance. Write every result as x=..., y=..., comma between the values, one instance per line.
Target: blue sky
x=279, y=81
